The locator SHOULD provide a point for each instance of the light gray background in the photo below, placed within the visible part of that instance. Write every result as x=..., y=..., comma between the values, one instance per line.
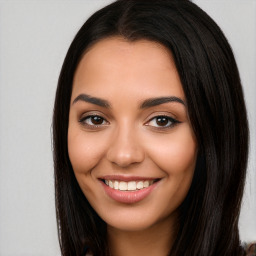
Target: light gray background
x=34, y=38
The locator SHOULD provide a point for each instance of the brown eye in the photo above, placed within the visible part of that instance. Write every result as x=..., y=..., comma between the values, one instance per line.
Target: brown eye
x=162, y=121
x=97, y=120
x=93, y=120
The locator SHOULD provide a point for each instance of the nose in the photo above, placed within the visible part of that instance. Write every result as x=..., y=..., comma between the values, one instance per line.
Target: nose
x=125, y=148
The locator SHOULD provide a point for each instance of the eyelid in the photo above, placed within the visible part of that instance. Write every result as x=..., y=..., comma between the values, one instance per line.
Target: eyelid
x=85, y=114
x=173, y=121
x=90, y=114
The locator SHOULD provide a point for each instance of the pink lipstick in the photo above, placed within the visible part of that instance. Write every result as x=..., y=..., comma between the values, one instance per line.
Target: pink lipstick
x=128, y=189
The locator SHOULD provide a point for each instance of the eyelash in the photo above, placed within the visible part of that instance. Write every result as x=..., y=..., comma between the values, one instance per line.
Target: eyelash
x=92, y=126
x=171, y=122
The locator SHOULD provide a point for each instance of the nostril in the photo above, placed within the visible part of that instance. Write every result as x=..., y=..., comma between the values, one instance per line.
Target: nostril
x=125, y=156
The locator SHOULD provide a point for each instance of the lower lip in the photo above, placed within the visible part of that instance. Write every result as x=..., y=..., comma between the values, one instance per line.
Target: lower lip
x=128, y=197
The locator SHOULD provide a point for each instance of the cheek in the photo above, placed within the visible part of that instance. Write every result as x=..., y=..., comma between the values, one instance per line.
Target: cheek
x=176, y=154
x=84, y=151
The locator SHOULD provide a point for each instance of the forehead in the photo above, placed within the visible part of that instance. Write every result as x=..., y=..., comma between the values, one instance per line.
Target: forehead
x=127, y=50
x=125, y=46
x=115, y=62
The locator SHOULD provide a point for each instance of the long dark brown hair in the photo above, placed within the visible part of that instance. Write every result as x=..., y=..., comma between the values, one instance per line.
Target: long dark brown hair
x=208, y=217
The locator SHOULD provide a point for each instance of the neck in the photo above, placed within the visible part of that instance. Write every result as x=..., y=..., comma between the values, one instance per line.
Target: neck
x=154, y=241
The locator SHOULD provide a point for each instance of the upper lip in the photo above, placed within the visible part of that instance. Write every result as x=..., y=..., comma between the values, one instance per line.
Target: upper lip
x=127, y=178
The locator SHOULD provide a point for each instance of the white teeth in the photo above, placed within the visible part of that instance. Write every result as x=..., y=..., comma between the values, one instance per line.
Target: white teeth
x=122, y=185
x=128, y=186
x=132, y=185
x=116, y=184
x=110, y=183
x=146, y=184
x=140, y=185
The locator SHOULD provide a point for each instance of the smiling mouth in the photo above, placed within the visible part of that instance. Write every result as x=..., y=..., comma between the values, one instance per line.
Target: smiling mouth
x=130, y=185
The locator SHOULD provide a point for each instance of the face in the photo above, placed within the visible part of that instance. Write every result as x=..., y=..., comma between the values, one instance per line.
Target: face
x=130, y=141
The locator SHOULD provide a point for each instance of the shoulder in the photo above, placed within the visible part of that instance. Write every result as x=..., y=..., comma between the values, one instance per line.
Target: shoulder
x=250, y=249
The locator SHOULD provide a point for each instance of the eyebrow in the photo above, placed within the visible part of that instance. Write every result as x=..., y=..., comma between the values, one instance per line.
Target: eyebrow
x=145, y=104
x=160, y=100
x=93, y=100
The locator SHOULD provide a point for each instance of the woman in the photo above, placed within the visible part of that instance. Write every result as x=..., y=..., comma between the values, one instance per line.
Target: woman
x=150, y=134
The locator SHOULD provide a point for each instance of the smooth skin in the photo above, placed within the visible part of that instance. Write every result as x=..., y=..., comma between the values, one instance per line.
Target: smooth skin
x=119, y=133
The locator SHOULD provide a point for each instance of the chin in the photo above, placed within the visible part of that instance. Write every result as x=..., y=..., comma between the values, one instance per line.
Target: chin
x=135, y=220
